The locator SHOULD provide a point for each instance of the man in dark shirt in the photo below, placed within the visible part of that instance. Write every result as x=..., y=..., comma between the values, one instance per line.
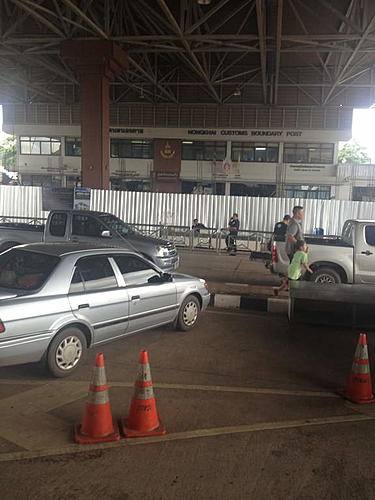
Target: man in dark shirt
x=281, y=227
x=230, y=240
x=197, y=226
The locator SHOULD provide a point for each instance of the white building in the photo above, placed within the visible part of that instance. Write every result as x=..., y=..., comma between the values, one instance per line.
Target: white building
x=283, y=152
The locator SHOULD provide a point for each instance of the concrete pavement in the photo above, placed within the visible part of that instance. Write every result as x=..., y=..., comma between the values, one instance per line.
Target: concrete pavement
x=224, y=268
x=248, y=403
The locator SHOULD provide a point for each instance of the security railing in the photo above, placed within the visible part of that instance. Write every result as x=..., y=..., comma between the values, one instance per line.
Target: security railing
x=206, y=238
x=37, y=221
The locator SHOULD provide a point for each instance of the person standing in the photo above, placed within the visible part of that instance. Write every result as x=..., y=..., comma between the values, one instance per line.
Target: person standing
x=294, y=231
x=279, y=231
x=233, y=228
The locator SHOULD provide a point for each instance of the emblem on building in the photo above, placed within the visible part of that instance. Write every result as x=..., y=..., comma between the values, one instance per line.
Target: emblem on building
x=167, y=153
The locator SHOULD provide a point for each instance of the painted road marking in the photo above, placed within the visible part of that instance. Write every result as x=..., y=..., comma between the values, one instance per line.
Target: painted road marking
x=200, y=433
x=59, y=397
x=27, y=423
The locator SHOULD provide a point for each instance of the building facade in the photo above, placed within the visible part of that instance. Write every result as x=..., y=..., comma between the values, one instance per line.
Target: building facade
x=247, y=151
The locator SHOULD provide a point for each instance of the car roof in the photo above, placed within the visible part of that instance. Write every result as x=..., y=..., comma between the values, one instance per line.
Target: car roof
x=60, y=249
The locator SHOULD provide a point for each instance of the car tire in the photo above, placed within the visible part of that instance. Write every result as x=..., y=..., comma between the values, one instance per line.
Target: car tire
x=66, y=352
x=326, y=276
x=188, y=314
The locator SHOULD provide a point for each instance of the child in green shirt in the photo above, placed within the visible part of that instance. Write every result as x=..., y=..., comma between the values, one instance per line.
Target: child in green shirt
x=299, y=263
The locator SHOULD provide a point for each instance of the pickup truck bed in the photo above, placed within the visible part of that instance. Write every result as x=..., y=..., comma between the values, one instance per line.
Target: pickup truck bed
x=23, y=225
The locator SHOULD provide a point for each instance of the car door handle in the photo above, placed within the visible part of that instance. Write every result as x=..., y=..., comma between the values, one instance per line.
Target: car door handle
x=83, y=306
x=367, y=252
x=136, y=297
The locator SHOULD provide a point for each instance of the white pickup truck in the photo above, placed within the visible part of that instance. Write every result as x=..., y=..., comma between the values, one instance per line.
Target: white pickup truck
x=349, y=258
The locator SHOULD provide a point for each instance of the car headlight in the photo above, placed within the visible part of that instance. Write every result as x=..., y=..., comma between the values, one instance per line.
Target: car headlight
x=162, y=251
x=204, y=283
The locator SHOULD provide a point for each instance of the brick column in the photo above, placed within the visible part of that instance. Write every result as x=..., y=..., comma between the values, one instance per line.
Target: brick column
x=96, y=62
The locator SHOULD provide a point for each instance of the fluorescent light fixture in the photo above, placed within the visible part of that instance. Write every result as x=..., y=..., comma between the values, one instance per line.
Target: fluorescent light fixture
x=138, y=142
x=187, y=142
x=204, y=2
x=260, y=149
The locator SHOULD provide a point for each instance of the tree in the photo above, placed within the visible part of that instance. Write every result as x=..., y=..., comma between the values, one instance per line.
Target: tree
x=351, y=152
x=8, y=152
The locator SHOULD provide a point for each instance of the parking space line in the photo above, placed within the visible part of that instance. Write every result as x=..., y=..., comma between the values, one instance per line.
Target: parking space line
x=200, y=433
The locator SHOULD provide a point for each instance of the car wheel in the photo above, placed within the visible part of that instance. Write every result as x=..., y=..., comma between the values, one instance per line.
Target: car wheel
x=66, y=352
x=188, y=313
x=325, y=276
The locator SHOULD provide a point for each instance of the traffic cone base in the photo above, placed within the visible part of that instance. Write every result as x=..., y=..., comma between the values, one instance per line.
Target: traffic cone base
x=347, y=396
x=129, y=433
x=83, y=439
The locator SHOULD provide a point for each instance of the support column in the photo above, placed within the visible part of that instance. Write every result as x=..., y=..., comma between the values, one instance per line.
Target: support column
x=96, y=62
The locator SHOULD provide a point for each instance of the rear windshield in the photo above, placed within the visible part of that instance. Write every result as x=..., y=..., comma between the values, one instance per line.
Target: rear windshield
x=25, y=270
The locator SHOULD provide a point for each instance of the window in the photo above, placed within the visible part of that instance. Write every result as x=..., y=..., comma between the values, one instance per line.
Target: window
x=25, y=270
x=203, y=150
x=255, y=152
x=76, y=285
x=96, y=273
x=308, y=153
x=194, y=187
x=72, y=146
x=41, y=180
x=135, y=271
x=308, y=192
x=249, y=189
x=370, y=235
x=86, y=225
x=40, y=146
x=58, y=224
x=126, y=148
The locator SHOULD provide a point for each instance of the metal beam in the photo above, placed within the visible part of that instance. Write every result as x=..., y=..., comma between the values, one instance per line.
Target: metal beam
x=85, y=18
x=300, y=87
x=303, y=26
x=261, y=21
x=341, y=16
x=204, y=18
x=369, y=28
x=196, y=64
x=148, y=77
x=278, y=48
x=32, y=12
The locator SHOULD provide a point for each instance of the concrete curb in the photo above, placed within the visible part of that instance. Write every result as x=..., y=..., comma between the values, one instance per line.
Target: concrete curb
x=277, y=305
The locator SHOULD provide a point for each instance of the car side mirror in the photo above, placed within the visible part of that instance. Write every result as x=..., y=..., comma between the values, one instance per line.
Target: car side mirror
x=106, y=234
x=167, y=277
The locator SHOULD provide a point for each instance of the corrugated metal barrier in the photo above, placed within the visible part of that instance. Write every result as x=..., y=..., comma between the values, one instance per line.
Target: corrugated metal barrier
x=257, y=214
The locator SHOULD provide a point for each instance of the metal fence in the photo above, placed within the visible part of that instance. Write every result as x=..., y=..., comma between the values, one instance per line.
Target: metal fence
x=179, y=210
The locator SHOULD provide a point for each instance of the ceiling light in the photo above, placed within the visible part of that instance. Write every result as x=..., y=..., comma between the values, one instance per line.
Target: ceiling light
x=237, y=91
x=204, y=2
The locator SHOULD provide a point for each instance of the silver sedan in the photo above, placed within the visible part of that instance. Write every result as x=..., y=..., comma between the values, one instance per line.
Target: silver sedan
x=57, y=300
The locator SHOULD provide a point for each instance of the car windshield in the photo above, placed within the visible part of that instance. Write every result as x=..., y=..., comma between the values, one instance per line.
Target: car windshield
x=117, y=225
x=25, y=270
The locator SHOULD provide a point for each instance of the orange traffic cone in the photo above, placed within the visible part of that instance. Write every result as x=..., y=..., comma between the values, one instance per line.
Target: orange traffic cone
x=97, y=424
x=143, y=419
x=359, y=388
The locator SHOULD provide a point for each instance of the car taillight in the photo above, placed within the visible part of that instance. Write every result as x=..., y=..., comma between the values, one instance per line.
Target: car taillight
x=275, y=257
x=2, y=327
